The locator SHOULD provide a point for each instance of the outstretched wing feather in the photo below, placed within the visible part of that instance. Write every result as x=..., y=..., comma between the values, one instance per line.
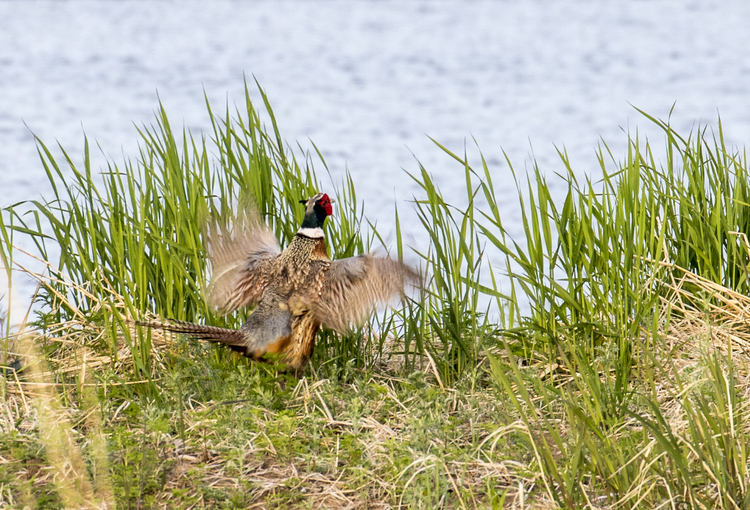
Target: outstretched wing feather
x=241, y=256
x=355, y=286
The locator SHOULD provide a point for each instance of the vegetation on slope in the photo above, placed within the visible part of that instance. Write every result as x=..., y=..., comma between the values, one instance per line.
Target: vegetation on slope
x=623, y=386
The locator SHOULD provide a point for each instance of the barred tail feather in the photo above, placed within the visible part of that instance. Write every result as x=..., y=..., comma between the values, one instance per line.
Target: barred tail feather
x=232, y=338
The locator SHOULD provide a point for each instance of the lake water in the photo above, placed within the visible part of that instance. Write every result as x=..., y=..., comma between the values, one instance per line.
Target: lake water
x=370, y=81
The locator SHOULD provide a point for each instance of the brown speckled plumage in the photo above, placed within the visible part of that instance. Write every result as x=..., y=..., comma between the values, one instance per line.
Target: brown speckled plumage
x=295, y=291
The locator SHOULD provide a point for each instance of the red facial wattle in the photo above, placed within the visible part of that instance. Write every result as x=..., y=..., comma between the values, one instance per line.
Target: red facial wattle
x=325, y=203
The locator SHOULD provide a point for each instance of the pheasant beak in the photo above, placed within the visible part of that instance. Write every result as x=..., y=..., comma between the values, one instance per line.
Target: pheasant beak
x=323, y=201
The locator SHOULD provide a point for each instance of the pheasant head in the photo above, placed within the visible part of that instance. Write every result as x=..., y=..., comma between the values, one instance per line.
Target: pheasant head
x=317, y=209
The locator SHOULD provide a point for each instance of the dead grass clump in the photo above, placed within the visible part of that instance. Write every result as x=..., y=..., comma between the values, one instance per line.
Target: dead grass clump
x=698, y=318
x=313, y=449
x=704, y=314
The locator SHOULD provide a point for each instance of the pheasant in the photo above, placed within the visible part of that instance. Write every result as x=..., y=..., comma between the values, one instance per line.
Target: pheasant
x=296, y=290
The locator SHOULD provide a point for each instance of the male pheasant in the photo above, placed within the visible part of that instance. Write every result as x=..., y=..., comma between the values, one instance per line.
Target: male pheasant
x=295, y=290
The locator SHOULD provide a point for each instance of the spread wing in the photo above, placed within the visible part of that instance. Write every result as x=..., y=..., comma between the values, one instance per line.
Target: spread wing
x=355, y=286
x=242, y=256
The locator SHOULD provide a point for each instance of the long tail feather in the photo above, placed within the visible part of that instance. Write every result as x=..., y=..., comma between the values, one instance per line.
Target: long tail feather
x=230, y=337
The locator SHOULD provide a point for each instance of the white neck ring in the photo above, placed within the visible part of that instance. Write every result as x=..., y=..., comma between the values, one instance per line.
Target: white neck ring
x=315, y=233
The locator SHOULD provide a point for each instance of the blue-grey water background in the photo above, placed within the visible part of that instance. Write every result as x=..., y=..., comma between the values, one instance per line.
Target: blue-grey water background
x=369, y=82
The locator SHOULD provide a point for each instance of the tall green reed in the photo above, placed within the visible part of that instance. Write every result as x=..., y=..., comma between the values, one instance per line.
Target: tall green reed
x=587, y=259
x=448, y=322
x=592, y=266
x=134, y=231
x=6, y=259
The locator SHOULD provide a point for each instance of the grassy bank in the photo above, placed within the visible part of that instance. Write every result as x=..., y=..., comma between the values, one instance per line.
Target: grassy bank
x=624, y=386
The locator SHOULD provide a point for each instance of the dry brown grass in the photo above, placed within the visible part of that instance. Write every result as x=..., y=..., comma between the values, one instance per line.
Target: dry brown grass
x=45, y=400
x=699, y=317
x=50, y=396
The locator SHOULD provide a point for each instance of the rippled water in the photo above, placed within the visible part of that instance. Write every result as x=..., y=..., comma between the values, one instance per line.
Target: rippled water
x=369, y=81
